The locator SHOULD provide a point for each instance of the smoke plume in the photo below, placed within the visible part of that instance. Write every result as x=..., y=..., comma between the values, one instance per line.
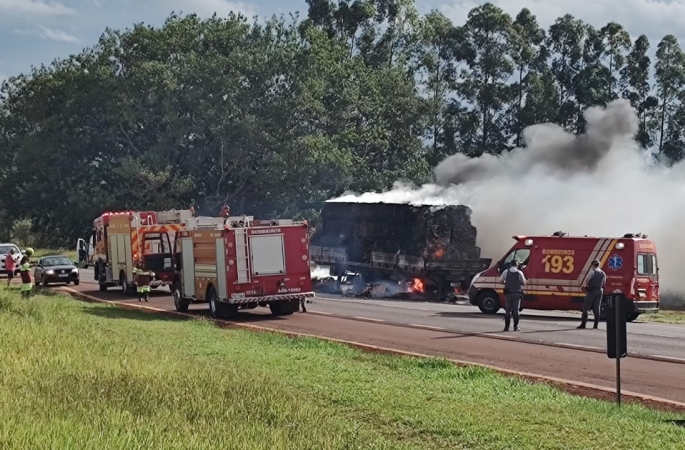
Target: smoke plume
x=601, y=183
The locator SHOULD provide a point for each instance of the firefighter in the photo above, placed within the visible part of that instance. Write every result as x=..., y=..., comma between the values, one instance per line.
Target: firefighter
x=514, y=281
x=594, y=291
x=25, y=273
x=142, y=278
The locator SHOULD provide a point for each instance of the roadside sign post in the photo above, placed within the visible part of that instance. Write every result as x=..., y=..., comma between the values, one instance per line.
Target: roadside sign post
x=617, y=346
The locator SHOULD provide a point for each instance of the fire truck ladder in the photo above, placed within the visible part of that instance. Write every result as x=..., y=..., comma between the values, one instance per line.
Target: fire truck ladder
x=242, y=255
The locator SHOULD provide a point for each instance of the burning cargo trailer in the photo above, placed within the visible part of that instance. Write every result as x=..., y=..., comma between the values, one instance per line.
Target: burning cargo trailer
x=435, y=245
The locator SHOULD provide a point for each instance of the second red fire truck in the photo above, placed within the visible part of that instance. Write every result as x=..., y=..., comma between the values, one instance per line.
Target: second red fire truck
x=241, y=263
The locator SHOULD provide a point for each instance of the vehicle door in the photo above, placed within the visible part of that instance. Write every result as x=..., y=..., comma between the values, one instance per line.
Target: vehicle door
x=39, y=271
x=81, y=252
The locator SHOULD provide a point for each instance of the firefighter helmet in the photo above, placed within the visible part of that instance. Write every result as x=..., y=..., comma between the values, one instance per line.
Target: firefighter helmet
x=29, y=251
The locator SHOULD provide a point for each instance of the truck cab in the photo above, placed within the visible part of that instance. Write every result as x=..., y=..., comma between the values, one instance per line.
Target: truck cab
x=556, y=268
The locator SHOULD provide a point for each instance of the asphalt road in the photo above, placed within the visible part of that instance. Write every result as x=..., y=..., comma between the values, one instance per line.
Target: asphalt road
x=447, y=330
x=536, y=326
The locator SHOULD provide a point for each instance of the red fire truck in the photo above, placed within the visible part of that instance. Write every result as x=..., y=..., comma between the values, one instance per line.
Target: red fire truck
x=556, y=268
x=120, y=239
x=241, y=263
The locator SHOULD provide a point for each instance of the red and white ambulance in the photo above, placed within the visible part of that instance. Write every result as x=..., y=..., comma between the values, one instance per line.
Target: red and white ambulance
x=556, y=268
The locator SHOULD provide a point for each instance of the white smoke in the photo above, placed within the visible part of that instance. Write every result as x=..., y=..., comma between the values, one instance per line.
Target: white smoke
x=601, y=183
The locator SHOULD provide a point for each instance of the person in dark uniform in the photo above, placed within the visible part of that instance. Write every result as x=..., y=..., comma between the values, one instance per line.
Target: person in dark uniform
x=514, y=281
x=594, y=291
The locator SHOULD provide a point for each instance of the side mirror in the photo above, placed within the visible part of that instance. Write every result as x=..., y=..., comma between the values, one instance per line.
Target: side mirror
x=500, y=266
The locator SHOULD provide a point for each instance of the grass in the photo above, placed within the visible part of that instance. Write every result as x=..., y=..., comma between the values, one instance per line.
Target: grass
x=40, y=252
x=663, y=316
x=77, y=375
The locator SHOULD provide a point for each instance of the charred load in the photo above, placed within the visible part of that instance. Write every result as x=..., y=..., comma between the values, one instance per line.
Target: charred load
x=433, y=240
x=422, y=231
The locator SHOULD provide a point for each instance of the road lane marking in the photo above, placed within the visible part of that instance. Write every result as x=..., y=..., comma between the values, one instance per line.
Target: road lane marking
x=426, y=326
x=670, y=357
x=369, y=318
x=323, y=313
x=578, y=346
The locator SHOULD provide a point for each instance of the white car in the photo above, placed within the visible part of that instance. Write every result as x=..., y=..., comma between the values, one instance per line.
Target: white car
x=4, y=253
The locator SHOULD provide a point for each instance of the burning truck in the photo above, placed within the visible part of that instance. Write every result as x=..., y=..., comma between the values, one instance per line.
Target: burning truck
x=430, y=249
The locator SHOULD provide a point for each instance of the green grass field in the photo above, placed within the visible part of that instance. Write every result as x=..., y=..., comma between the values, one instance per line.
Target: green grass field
x=82, y=376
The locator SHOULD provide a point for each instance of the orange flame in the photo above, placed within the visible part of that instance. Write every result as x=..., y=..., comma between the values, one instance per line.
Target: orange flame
x=417, y=285
x=439, y=253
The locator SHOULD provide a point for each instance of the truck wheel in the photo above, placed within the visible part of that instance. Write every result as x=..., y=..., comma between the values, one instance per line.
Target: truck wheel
x=219, y=310
x=180, y=302
x=488, y=302
x=126, y=288
x=284, y=308
x=213, y=300
x=103, y=287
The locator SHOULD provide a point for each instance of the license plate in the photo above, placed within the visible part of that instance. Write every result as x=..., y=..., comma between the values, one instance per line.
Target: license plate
x=63, y=275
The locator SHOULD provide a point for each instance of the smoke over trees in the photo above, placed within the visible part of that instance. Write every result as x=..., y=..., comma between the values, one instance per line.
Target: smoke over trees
x=276, y=117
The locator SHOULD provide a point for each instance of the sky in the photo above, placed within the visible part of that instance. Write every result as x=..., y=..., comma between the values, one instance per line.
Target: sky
x=35, y=32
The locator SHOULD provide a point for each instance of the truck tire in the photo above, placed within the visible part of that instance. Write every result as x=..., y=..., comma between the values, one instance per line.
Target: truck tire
x=180, y=303
x=220, y=310
x=126, y=288
x=489, y=302
x=103, y=287
x=284, y=308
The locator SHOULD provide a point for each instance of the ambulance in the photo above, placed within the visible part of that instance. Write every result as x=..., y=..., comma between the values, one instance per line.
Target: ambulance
x=556, y=268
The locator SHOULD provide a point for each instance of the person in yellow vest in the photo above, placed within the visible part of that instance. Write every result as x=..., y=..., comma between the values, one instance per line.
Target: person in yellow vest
x=25, y=272
x=143, y=277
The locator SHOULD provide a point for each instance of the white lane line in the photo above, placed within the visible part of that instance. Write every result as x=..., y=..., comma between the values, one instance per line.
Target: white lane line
x=670, y=357
x=504, y=336
x=369, y=318
x=323, y=313
x=578, y=346
x=425, y=326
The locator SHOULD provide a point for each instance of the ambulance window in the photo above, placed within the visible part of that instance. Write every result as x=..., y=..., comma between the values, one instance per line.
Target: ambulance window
x=641, y=264
x=521, y=255
x=646, y=264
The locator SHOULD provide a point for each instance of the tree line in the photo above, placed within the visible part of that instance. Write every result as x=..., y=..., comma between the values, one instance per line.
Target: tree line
x=274, y=117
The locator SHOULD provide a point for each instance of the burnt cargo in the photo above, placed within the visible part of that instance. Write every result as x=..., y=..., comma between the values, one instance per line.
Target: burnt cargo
x=431, y=232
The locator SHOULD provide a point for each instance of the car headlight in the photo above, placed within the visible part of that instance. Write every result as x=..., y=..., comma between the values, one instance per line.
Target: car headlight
x=74, y=270
x=50, y=272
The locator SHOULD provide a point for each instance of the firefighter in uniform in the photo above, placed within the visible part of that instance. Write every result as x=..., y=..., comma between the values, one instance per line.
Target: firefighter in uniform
x=143, y=278
x=514, y=281
x=25, y=273
x=594, y=291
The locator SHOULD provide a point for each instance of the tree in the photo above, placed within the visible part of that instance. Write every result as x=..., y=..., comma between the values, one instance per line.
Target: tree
x=529, y=57
x=635, y=75
x=443, y=51
x=485, y=87
x=616, y=43
x=565, y=42
x=670, y=78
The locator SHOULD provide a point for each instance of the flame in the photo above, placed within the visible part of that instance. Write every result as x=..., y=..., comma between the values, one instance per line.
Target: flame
x=439, y=253
x=416, y=285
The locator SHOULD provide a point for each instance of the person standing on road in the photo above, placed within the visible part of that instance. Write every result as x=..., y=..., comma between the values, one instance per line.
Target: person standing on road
x=594, y=291
x=514, y=281
x=25, y=272
x=10, y=266
x=143, y=278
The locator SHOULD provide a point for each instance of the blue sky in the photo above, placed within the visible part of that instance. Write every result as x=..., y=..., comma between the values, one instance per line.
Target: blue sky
x=38, y=31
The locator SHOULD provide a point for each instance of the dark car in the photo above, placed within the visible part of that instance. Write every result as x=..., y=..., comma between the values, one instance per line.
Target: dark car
x=56, y=269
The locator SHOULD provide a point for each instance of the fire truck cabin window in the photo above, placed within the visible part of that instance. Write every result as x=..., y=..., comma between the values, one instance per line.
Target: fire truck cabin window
x=646, y=264
x=522, y=255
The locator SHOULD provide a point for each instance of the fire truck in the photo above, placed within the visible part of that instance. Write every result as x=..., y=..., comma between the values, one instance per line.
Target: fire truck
x=120, y=239
x=241, y=263
x=556, y=268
